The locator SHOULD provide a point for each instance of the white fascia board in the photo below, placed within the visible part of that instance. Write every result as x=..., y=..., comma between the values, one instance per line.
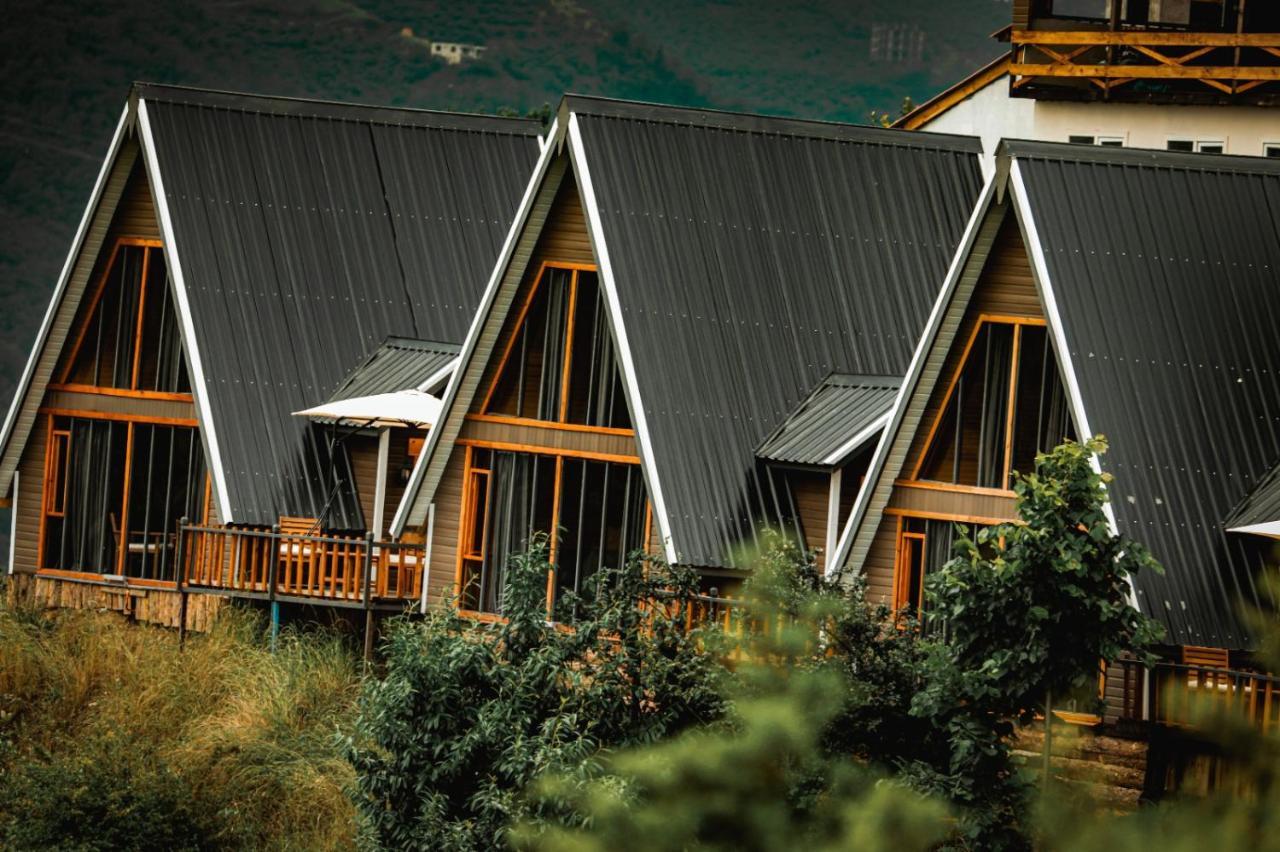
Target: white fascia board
x=13, y=518
x=595, y=231
x=857, y=441
x=1270, y=528
x=1040, y=272
x=958, y=261
x=408, y=511
x=24, y=384
x=439, y=376
x=199, y=390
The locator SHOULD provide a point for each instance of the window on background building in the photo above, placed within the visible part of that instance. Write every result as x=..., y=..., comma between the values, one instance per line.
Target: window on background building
x=560, y=365
x=1211, y=147
x=1005, y=405
x=1199, y=146
x=594, y=512
x=1103, y=141
x=1271, y=149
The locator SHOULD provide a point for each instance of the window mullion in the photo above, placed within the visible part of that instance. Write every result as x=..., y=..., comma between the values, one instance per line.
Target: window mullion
x=1013, y=397
x=142, y=306
x=570, y=316
x=124, y=505
x=554, y=534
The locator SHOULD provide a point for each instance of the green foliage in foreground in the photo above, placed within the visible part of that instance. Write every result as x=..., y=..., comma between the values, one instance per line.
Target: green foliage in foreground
x=468, y=714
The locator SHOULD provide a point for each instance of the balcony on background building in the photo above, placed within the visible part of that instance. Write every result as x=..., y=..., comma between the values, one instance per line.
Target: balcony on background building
x=1157, y=51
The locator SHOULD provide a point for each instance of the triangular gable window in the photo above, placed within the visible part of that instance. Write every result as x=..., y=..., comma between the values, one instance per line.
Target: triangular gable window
x=560, y=365
x=985, y=432
x=129, y=338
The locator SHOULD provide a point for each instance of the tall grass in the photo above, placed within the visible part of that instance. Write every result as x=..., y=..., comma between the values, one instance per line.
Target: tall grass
x=231, y=745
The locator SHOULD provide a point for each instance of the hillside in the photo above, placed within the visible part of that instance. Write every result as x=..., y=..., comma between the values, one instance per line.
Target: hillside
x=67, y=66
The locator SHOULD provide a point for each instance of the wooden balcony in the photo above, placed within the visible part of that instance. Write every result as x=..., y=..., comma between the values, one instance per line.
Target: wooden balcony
x=1146, y=66
x=1187, y=696
x=334, y=570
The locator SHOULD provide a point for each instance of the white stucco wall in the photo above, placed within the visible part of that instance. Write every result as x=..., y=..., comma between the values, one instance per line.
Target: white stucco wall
x=992, y=115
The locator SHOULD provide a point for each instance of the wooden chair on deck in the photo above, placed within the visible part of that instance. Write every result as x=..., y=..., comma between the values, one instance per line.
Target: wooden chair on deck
x=151, y=545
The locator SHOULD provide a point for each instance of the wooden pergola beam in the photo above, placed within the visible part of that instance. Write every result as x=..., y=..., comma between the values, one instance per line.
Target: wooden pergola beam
x=1148, y=72
x=1103, y=37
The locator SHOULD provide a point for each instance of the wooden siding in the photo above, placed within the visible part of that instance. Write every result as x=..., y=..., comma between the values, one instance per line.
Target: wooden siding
x=165, y=409
x=811, y=491
x=878, y=566
x=443, y=559
x=1005, y=287
x=136, y=214
x=363, y=450
x=550, y=439
x=152, y=606
x=99, y=224
x=26, y=542
x=929, y=502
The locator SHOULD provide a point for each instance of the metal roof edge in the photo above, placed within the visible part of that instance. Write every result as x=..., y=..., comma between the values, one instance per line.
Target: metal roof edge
x=858, y=441
x=1040, y=273
x=59, y=290
x=591, y=105
x=409, y=511
x=595, y=231
x=1270, y=529
x=199, y=389
x=1146, y=157
x=835, y=561
x=372, y=113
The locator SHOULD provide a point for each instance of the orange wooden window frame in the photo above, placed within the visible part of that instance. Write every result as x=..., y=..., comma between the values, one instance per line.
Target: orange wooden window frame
x=467, y=517
x=131, y=420
x=560, y=422
x=56, y=471
x=907, y=543
x=149, y=247
x=983, y=319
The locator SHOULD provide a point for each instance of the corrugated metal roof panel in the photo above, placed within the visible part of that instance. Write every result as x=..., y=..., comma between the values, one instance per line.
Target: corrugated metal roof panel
x=839, y=408
x=1260, y=506
x=753, y=257
x=1165, y=271
x=400, y=363
x=308, y=233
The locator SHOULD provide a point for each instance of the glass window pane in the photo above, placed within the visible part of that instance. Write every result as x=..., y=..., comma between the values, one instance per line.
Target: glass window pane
x=596, y=397
x=105, y=354
x=530, y=382
x=602, y=512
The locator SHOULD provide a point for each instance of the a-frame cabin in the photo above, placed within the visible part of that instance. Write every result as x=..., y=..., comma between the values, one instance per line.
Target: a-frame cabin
x=686, y=307
x=1121, y=292
x=243, y=258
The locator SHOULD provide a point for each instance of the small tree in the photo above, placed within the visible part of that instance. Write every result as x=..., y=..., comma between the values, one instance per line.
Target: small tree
x=1028, y=610
x=468, y=714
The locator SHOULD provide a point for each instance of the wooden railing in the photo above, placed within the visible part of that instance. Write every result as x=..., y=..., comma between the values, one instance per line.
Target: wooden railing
x=1188, y=695
x=1230, y=63
x=281, y=565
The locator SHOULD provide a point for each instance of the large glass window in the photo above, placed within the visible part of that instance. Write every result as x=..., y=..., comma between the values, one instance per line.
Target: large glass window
x=925, y=545
x=594, y=513
x=1006, y=404
x=129, y=339
x=113, y=494
x=560, y=364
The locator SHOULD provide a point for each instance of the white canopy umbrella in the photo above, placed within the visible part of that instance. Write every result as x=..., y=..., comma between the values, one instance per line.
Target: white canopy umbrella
x=410, y=408
x=382, y=411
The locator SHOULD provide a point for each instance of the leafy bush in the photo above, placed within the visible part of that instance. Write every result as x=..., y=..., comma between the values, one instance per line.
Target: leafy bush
x=468, y=714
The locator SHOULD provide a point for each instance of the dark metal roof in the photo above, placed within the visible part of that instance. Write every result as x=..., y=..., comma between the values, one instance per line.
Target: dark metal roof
x=400, y=363
x=1165, y=270
x=1259, y=506
x=753, y=257
x=840, y=408
x=308, y=232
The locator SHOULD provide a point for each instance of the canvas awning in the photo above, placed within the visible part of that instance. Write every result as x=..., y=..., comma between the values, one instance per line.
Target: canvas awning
x=407, y=408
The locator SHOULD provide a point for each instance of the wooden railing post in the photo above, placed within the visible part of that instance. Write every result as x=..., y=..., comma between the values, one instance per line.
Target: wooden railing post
x=368, y=598
x=273, y=570
x=179, y=572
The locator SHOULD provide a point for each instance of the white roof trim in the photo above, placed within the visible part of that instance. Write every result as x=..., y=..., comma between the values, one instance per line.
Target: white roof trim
x=194, y=363
x=861, y=504
x=1271, y=528
x=854, y=443
x=24, y=384
x=408, y=511
x=1040, y=272
x=595, y=230
x=438, y=376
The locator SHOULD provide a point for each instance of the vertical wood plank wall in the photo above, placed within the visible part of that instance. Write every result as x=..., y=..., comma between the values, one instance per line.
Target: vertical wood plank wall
x=1006, y=287
x=811, y=491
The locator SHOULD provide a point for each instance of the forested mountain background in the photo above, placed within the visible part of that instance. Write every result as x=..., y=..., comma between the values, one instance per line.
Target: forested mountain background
x=67, y=66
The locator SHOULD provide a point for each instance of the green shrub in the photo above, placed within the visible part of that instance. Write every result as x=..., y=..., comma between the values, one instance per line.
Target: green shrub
x=468, y=714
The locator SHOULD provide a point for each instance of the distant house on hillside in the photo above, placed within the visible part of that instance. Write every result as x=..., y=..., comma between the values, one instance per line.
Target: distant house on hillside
x=242, y=259
x=692, y=311
x=453, y=53
x=1201, y=76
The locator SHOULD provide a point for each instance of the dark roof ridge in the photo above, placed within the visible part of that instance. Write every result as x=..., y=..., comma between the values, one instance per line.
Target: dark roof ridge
x=1148, y=157
x=746, y=122
x=317, y=108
